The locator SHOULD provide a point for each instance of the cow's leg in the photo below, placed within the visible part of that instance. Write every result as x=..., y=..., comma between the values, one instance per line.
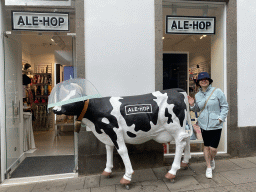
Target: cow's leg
x=123, y=152
x=180, y=145
x=187, y=156
x=109, y=165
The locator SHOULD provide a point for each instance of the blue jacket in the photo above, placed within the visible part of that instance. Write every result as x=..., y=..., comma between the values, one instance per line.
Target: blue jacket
x=216, y=108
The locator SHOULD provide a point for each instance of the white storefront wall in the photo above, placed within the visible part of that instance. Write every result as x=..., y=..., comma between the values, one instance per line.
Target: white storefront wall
x=246, y=58
x=120, y=46
x=2, y=98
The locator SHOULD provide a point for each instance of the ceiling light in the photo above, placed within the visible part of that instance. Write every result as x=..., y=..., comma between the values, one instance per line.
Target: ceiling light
x=203, y=36
x=162, y=37
x=52, y=39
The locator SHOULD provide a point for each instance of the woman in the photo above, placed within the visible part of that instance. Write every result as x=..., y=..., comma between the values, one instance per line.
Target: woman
x=212, y=104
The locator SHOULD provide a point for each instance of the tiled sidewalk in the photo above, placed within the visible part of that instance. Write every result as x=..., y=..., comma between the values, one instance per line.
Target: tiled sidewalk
x=229, y=175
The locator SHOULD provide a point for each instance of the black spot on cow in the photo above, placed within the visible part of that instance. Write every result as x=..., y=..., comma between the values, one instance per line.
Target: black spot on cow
x=101, y=108
x=177, y=98
x=145, y=110
x=131, y=134
x=167, y=114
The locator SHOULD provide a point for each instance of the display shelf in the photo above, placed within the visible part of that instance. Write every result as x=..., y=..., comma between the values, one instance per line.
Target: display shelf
x=42, y=73
x=62, y=120
x=41, y=95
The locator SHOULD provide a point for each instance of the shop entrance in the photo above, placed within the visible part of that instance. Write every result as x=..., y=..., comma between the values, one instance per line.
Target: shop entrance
x=206, y=54
x=38, y=143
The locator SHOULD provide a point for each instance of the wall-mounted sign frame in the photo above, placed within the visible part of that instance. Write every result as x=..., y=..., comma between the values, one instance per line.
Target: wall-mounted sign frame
x=38, y=3
x=40, y=21
x=189, y=25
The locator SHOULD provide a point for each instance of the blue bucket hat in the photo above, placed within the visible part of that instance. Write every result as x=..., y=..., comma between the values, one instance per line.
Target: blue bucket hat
x=203, y=75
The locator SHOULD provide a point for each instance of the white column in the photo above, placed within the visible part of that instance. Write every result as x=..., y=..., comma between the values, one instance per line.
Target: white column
x=120, y=46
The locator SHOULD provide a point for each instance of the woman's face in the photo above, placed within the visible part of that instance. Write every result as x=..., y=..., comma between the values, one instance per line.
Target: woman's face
x=204, y=83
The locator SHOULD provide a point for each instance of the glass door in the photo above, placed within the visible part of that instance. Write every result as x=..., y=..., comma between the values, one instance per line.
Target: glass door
x=39, y=50
x=13, y=101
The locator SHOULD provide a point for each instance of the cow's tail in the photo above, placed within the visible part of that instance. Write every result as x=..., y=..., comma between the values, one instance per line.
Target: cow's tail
x=188, y=114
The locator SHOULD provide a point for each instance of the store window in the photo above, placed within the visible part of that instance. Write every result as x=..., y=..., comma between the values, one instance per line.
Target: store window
x=187, y=54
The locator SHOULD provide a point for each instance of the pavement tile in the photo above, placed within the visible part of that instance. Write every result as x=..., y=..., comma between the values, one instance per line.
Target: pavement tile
x=251, y=159
x=186, y=172
x=243, y=163
x=104, y=189
x=240, y=176
x=143, y=175
x=160, y=172
x=81, y=190
x=199, y=168
x=91, y=181
x=250, y=186
x=225, y=165
x=205, y=182
x=75, y=184
x=219, y=189
x=113, y=180
x=220, y=180
x=151, y=186
x=20, y=188
x=4, y=189
x=51, y=186
x=235, y=188
x=184, y=183
x=133, y=188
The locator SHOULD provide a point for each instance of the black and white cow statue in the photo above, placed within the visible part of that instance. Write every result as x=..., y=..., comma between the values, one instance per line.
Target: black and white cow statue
x=161, y=116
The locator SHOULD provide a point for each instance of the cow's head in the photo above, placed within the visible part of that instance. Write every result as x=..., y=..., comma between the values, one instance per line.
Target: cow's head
x=69, y=109
x=69, y=92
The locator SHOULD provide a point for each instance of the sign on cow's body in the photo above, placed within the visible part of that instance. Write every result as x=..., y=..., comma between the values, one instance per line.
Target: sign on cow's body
x=160, y=116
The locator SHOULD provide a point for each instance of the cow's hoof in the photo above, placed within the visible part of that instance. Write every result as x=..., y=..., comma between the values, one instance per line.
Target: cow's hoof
x=125, y=182
x=107, y=174
x=184, y=165
x=127, y=187
x=170, y=176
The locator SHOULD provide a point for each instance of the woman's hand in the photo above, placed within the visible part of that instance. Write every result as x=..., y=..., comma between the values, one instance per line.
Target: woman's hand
x=191, y=101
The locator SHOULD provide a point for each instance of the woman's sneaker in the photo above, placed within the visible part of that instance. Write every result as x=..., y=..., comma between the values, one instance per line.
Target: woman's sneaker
x=213, y=164
x=208, y=173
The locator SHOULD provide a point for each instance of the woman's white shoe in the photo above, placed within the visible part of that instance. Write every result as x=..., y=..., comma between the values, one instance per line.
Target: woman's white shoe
x=208, y=173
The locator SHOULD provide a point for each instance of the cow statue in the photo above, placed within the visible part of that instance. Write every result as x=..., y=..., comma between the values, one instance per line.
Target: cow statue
x=161, y=116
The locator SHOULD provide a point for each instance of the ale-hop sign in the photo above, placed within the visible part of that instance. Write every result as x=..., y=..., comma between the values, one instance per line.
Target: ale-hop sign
x=37, y=21
x=135, y=109
x=190, y=25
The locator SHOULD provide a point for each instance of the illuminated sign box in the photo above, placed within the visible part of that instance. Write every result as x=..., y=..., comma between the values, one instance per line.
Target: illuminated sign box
x=36, y=21
x=190, y=25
